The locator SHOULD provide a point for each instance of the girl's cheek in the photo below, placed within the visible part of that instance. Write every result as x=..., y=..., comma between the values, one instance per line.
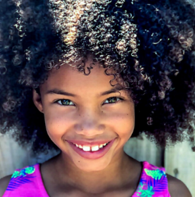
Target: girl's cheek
x=55, y=119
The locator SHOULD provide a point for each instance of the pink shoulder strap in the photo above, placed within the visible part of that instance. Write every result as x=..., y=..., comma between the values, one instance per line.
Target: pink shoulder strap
x=26, y=182
x=153, y=182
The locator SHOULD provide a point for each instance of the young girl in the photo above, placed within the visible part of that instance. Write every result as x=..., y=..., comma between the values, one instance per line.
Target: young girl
x=82, y=77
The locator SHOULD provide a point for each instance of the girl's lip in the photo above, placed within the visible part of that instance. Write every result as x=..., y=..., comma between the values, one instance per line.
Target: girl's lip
x=92, y=155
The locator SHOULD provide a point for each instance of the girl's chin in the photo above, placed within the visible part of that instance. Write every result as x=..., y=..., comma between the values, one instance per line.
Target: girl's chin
x=91, y=167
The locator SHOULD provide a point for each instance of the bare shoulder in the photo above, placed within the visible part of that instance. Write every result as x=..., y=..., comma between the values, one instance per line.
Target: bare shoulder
x=177, y=188
x=4, y=183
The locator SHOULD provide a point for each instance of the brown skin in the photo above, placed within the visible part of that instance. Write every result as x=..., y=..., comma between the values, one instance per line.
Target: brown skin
x=89, y=116
x=86, y=117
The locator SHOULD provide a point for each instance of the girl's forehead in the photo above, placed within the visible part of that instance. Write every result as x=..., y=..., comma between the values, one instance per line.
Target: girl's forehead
x=69, y=76
x=69, y=81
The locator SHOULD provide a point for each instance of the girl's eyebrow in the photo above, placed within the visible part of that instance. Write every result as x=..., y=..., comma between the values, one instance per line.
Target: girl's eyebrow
x=62, y=92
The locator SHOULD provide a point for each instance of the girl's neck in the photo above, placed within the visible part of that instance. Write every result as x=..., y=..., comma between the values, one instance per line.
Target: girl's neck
x=122, y=172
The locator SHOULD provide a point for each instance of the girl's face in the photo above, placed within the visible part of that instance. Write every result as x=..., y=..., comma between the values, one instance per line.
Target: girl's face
x=77, y=109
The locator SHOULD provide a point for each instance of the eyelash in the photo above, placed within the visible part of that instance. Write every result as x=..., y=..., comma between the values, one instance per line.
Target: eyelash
x=120, y=99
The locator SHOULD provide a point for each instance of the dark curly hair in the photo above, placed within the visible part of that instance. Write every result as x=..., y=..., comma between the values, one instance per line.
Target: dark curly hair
x=150, y=44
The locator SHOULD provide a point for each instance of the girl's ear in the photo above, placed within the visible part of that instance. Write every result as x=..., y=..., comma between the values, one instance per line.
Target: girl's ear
x=37, y=101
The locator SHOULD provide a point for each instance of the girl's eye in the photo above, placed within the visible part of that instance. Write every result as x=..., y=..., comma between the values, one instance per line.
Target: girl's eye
x=67, y=102
x=113, y=99
x=63, y=101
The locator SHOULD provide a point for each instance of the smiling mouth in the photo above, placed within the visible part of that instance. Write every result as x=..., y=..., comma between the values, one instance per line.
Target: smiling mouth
x=91, y=148
x=92, y=152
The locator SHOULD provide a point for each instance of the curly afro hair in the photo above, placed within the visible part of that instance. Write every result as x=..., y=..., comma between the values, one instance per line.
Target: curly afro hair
x=150, y=45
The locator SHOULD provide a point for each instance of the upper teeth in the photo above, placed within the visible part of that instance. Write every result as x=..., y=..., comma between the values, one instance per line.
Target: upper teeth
x=93, y=148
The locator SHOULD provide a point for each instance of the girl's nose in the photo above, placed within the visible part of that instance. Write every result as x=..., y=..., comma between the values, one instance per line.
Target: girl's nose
x=90, y=124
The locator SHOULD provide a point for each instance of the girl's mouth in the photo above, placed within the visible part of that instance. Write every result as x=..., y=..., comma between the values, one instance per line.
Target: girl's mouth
x=95, y=152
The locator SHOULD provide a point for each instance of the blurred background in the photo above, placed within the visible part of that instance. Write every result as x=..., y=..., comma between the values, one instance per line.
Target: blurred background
x=179, y=160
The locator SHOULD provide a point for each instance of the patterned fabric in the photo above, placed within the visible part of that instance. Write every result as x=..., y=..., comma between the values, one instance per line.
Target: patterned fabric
x=27, y=182
x=153, y=182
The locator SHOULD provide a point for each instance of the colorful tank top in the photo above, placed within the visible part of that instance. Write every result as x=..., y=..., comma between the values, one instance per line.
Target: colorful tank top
x=27, y=182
